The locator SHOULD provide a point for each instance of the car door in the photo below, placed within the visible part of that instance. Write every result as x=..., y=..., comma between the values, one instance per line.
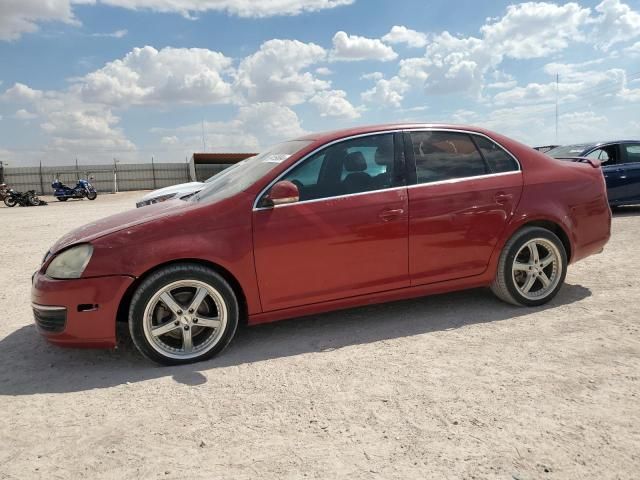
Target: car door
x=347, y=234
x=466, y=190
x=610, y=158
x=630, y=172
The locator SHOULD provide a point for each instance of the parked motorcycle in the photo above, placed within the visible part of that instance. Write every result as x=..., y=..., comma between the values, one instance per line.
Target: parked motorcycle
x=24, y=199
x=82, y=189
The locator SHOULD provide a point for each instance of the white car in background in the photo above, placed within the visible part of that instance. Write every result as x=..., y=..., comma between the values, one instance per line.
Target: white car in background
x=183, y=190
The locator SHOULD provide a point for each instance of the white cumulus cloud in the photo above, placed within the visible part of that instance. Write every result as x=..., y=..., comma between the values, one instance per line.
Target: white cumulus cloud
x=386, y=92
x=535, y=29
x=241, y=8
x=276, y=72
x=354, y=48
x=149, y=76
x=402, y=34
x=334, y=103
x=18, y=17
x=616, y=22
x=23, y=114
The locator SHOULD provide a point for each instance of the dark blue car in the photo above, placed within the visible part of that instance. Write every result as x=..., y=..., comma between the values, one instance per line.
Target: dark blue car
x=620, y=165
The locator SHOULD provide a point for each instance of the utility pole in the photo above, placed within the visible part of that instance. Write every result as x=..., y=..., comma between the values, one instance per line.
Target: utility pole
x=557, y=96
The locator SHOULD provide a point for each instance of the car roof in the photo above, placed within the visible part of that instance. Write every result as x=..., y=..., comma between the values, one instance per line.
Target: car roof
x=360, y=130
x=590, y=145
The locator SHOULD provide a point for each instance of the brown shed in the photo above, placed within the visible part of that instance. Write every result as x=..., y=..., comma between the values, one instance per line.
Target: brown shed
x=205, y=165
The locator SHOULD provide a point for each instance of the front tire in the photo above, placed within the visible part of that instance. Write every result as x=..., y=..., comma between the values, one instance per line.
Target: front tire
x=183, y=313
x=62, y=199
x=10, y=202
x=92, y=195
x=532, y=268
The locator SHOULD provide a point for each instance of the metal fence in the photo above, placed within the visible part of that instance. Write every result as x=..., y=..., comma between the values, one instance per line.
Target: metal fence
x=106, y=178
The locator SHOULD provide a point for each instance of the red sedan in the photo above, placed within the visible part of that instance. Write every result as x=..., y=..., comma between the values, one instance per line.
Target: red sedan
x=325, y=222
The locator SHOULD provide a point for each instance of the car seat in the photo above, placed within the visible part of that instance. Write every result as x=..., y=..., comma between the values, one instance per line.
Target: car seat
x=357, y=180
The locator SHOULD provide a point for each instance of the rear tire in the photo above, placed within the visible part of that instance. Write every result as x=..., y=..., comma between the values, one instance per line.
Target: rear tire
x=531, y=269
x=183, y=313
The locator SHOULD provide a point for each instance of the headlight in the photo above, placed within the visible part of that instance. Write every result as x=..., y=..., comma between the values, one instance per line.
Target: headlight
x=162, y=198
x=70, y=263
x=159, y=199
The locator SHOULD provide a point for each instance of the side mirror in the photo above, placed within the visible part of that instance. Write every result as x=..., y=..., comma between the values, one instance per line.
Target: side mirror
x=282, y=193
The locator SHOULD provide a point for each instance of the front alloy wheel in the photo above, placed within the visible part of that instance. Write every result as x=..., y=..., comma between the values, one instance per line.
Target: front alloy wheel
x=182, y=314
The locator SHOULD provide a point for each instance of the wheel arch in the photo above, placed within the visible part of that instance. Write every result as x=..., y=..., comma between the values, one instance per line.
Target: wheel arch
x=122, y=315
x=553, y=227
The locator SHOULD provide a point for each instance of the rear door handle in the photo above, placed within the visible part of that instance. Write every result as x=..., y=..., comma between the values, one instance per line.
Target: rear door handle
x=388, y=215
x=503, y=198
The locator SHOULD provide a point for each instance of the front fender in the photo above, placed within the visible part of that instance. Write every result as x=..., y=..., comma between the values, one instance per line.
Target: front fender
x=194, y=235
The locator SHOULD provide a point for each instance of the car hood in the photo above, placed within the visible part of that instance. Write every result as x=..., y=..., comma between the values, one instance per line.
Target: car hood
x=178, y=190
x=118, y=222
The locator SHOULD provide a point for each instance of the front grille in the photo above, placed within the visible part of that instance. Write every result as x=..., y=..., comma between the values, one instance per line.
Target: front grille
x=50, y=319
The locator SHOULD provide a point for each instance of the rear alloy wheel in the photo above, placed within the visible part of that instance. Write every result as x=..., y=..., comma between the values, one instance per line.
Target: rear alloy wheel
x=532, y=268
x=183, y=314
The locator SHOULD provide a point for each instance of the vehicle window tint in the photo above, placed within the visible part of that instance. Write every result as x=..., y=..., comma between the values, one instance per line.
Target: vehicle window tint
x=309, y=172
x=353, y=166
x=369, y=154
x=633, y=153
x=445, y=155
x=498, y=160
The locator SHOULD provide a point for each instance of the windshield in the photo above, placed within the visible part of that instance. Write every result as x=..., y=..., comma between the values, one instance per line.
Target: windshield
x=243, y=174
x=569, y=150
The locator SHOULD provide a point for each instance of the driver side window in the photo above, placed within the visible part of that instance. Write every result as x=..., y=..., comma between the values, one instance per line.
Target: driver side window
x=354, y=166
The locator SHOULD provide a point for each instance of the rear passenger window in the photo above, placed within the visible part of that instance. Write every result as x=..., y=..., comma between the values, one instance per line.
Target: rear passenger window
x=497, y=159
x=633, y=153
x=445, y=155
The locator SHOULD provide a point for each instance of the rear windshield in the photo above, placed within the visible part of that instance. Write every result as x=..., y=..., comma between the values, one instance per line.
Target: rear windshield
x=242, y=175
x=569, y=150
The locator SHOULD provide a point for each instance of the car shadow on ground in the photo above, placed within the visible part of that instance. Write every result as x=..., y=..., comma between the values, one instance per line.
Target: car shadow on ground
x=30, y=365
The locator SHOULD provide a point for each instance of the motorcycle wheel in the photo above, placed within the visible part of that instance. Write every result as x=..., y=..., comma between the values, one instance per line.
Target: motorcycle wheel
x=62, y=199
x=92, y=195
x=34, y=200
x=10, y=202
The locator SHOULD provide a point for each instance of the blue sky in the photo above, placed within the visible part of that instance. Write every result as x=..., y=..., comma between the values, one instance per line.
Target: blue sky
x=131, y=79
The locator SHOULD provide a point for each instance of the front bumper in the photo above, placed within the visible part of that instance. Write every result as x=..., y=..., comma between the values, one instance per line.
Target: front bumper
x=80, y=312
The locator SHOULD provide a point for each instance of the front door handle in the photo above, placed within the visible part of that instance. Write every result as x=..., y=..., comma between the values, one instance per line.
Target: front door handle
x=503, y=198
x=388, y=215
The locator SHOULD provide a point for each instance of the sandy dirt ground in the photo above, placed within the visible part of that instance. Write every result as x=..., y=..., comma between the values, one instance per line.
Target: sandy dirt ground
x=452, y=386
